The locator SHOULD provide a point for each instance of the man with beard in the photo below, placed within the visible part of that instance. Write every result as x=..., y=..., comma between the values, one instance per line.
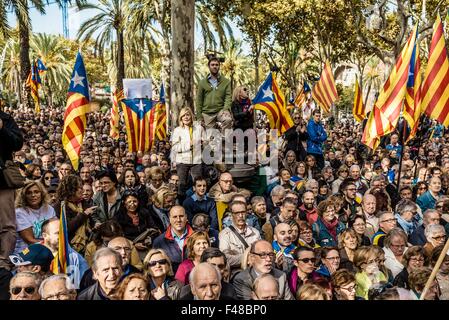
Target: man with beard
x=350, y=206
x=287, y=213
x=283, y=247
x=308, y=211
x=261, y=260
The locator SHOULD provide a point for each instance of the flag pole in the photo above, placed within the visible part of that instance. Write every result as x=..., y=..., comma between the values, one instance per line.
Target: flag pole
x=401, y=143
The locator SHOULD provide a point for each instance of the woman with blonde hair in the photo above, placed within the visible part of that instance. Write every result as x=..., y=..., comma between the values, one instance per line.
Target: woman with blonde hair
x=367, y=263
x=159, y=272
x=32, y=210
x=311, y=291
x=196, y=244
x=186, y=150
x=162, y=201
x=241, y=108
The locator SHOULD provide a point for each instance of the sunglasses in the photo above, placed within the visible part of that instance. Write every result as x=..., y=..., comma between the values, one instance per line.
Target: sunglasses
x=28, y=290
x=307, y=260
x=154, y=263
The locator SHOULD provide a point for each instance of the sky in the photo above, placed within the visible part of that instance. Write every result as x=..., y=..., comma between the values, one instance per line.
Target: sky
x=51, y=23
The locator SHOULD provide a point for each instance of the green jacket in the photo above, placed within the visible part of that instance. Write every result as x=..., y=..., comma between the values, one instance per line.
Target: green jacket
x=210, y=100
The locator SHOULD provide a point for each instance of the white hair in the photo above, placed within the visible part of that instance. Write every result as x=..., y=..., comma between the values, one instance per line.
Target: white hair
x=57, y=277
x=203, y=264
x=432, y=229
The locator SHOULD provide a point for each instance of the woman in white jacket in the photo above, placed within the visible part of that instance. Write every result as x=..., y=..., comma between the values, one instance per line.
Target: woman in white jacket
x=186, y=150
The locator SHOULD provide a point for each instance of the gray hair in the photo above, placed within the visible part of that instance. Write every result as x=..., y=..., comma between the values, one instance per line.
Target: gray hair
x=406, y=205
x=393, y=233
x=428, y=212
x=431, y=229
x=309, y=184
x=264, y=276
x=277, y=191
x=105, y=252
x=57, y=277
x=36, y=277
x=354, y=166
x=203, y=264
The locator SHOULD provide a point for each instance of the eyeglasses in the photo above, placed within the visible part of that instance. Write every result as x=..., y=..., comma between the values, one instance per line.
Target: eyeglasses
x=307, y=260
x=399, y=246
x=421, y=259
x=58, y=296
x=48, y=178
x=350, y=289
x=161, y=262
x=28, y=290
x=422, y=188
x=333, y=258
x=437, y=238
x=126, y=249
x=390, y=220
x=264, y=255
x=239, y=213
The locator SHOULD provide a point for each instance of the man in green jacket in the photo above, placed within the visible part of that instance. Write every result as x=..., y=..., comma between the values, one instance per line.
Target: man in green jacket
x=213, y=99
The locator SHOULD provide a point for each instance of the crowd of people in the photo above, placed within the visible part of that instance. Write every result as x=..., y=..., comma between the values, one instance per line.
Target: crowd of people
x=334, y=223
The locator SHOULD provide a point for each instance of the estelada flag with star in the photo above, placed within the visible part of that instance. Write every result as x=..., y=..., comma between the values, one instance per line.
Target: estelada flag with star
x=78, y=105
x=270, y=100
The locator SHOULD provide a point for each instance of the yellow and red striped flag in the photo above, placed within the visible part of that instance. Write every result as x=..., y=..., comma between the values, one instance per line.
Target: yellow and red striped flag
x=34, y=82
x=358, y=109
x=161, y=116
x=117, y=96
x=78, y=105
x=270, y=100
x=412, y=102
x=61, y=260
x=385, y=114
x=324, y=92
x=435, y=88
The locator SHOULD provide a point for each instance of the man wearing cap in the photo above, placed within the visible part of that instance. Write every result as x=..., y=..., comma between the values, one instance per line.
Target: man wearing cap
x=35, y=258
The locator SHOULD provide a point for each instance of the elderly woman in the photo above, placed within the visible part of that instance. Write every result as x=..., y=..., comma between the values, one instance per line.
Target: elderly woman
x=32, y=210
x=184, y=139
x=406, y=211
x=343, y=284
x=162, y=201
x=368, y=273
x=196, y=244
x=435, y=236
x=133, y=287
x=358, y=224
x=290, y=162
x=413, y=258
x=158, y=270
x=328, y=227
x=242, y=110
x=417, y=281
x=395, y=245
x=428, y=199
x=443, y=273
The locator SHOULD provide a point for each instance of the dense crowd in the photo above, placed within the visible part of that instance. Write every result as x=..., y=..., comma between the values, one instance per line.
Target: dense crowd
x=332, y=224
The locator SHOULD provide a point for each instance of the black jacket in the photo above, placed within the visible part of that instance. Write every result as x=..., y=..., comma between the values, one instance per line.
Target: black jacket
x=92, y=293
x=294, y=142
x=129, y=229
x=11, y=139
x=243, y=119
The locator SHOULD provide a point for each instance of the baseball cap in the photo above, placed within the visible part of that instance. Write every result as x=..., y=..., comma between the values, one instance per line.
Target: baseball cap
x=35, y=254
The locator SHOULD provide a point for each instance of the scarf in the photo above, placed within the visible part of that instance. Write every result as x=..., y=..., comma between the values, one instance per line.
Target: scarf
x=331, y=227
x=408, y=227
x=286, y=251
x=134, y=217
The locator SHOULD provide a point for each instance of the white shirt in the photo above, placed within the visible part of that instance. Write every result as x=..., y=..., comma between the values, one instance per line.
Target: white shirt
x=392, y=263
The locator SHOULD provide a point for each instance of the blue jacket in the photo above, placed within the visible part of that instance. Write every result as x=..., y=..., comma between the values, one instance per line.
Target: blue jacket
x=322, y=235
x=193, y=206
x=426, y=201
x=317, y=135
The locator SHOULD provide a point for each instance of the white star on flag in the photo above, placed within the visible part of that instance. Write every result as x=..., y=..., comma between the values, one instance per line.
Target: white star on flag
x=78, y=80
x=267, y=93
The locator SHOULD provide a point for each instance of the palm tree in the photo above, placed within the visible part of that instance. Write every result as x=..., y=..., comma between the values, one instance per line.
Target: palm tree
x=54, y=54
x=11, y=68
x=237, y=66
x=372, y=78
x=108, y=27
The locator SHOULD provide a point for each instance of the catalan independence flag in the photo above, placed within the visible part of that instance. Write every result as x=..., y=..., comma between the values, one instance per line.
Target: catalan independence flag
x=302, y=96
x=78, y=105
x=161, y=115
x=358, y=109
x=34, y=82
x=139, y=121
x=117, y=96
x=324, y=92
x=61, y=261
x=412, y=102
x=385, y=114
x=435, y=87
x=271, y=100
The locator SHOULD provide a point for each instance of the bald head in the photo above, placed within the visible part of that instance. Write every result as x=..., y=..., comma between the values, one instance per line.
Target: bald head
x=205, y=282
x=283, y=234
x=265, y=287
x=123, y=247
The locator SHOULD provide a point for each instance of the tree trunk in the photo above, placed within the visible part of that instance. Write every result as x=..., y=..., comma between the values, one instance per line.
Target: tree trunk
x=120, y=61
x=25, y=65
x=165, y=51
x=183, y=26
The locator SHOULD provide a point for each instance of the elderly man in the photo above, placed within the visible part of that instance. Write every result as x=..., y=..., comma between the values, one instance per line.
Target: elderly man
x=436, y=236
x=407, y=211
x=25, y=286
x=57, y=287
x=287, y=213
x=387, y=222
x=369, y=212
x=284, y=247
x=354, y=173
x=418, y=237
x=275, y=200
x=224, y=189
x=261, y=260
x=107, y=269
x=265, y=287
x=238, y=236
x=174, y=240
x=205, y=282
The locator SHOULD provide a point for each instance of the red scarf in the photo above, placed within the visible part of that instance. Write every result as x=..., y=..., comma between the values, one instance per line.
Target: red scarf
x=331, y=227
x=134, y=217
